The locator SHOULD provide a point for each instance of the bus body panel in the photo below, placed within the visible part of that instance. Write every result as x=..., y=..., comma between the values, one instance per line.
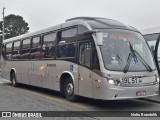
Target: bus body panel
x=85, y=82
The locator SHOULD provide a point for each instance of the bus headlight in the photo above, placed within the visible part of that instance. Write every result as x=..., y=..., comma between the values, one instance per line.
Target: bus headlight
x=112, y=82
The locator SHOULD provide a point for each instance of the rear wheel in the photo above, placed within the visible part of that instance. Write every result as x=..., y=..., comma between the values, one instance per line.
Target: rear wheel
x=13, y=80
x=69, y=90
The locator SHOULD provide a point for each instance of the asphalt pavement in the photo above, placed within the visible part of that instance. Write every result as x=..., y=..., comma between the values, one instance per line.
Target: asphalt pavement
x=26, y=98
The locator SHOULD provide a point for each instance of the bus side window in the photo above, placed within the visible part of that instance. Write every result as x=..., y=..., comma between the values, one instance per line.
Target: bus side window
x=25, y=51
x=8, y=52
x=48, y=47
x=4, y=51
x=66, y=43
x=36, y=48
x=16, y=50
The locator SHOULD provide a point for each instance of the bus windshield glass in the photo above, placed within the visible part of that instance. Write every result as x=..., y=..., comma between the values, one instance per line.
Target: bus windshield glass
x=116, y=50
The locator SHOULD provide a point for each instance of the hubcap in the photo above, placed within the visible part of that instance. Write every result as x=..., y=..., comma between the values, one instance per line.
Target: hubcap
x=70, y=89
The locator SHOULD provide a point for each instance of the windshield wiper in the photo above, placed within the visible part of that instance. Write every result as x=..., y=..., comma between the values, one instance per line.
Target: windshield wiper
x=128, y=63
x=134, y=54
x=143, y=61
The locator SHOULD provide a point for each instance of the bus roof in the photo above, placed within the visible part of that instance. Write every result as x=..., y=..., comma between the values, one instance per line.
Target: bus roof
x=103, y=23
x=150, y=30
x=89, y=22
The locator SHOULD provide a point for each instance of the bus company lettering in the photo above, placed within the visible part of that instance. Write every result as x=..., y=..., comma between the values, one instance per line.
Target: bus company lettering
x=51, y=65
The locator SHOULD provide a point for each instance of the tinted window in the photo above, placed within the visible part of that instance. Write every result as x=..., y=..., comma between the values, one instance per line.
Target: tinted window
x=48, y=47
x=66, y=44
x=25, y=52
x=81, y=36
x=81, y=29
x=9, y=51
x=85, y=51
x=36, y=48
x=16, y=50
x=4, y=51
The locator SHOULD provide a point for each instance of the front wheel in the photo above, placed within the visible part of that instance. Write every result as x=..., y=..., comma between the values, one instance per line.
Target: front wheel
x=69, y=90
x=13, y=80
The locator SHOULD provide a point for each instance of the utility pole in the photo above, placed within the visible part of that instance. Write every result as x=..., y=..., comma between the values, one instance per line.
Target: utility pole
x=1, y=43
x=3, y=24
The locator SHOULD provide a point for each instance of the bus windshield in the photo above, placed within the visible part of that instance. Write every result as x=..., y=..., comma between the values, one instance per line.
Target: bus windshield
x=116, y=50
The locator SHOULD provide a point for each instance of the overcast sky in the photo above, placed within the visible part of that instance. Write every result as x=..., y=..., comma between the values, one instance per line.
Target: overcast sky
x=40, y=14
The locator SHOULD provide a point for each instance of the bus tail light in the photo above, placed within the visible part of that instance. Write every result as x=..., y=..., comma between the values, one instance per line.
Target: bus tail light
x=97, y=80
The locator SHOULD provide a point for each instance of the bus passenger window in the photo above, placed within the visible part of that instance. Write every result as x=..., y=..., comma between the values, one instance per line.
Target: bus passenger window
x=9, y=51
x=66, y=44
x=16, y=50
x=4, y=51
x=25, y=51
x=36, y=48
x=48, y=47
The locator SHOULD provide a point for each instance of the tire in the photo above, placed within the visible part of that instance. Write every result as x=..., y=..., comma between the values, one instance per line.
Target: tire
x=13, y=80
x=69, y=90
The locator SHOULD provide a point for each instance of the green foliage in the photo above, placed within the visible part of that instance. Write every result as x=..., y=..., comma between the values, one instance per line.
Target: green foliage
x=14, y=26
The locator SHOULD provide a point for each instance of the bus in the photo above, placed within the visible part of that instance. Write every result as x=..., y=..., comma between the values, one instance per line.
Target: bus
x=92, y=57
x=152, y=36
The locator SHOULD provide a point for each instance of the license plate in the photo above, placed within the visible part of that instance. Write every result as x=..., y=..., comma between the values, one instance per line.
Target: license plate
x=141, y=93
x=131, y=80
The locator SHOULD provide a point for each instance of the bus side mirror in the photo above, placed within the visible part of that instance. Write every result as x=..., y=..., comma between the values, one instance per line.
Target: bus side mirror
x=98, y=35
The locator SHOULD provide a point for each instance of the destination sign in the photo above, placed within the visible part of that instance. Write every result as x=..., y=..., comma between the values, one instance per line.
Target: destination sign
x=118, y=36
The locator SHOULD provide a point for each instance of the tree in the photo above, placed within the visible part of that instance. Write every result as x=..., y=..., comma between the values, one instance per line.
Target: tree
x=14, y=26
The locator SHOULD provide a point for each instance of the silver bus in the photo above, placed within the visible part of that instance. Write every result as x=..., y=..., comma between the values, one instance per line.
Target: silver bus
x=152, y=36
x=85, y=56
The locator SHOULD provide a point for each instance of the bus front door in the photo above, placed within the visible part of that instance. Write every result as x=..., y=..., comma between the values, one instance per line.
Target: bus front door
x=85, y=73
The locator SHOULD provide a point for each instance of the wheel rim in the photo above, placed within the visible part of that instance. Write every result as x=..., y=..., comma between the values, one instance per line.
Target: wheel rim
x=70, y=89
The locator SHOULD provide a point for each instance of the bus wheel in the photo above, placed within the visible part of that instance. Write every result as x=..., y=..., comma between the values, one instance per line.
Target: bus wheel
x=69, y=90
x=13, y=80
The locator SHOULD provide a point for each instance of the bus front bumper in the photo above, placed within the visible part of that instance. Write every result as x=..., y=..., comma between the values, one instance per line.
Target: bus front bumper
x=117, y=92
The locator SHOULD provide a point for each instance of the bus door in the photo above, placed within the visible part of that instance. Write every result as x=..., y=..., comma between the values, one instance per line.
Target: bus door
x=84, y=70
